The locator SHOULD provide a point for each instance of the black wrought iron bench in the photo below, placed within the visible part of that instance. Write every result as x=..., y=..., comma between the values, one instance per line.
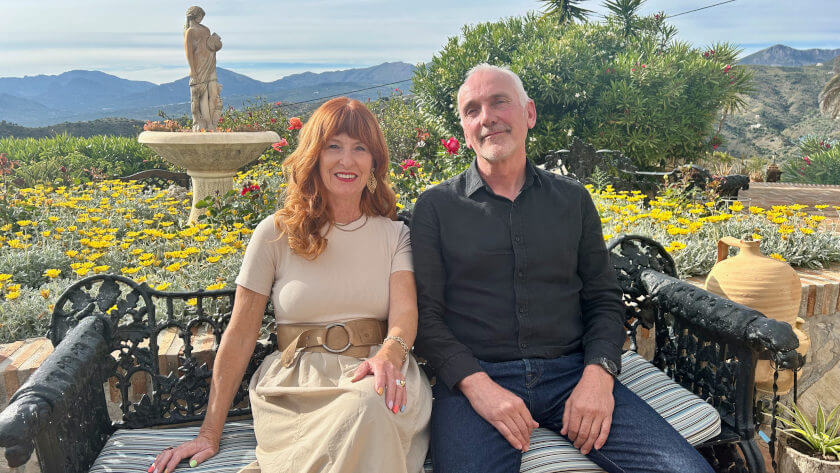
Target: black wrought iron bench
x=107, y=327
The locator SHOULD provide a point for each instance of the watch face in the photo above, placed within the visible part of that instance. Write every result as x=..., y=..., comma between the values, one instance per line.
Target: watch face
x=610, y=366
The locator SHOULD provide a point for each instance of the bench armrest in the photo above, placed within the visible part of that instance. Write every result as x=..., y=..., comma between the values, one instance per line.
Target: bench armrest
x=722, y=317
x=57, y=408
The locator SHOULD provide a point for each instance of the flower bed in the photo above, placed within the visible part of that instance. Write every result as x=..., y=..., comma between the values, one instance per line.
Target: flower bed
x=690, y=230
x=63, y=234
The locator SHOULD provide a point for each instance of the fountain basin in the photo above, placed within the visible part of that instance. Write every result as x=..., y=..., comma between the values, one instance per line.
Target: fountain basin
x=211, y=159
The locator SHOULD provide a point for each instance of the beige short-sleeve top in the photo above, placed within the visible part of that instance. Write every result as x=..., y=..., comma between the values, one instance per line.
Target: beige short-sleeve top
x=349, y=280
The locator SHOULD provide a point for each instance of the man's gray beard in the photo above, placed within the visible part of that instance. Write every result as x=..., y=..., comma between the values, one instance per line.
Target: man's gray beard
x=492, y=157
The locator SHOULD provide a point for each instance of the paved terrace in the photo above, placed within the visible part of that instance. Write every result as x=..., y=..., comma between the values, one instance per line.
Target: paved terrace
x=768, y=194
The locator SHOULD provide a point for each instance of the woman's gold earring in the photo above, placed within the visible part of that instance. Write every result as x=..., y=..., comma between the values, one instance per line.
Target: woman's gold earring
x=371, y=182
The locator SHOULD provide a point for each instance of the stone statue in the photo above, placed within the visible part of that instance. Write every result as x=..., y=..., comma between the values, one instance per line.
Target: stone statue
x=205, y=91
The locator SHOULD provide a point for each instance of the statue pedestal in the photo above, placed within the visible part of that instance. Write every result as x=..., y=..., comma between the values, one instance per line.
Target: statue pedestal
x=211, y=159
x=207, y=184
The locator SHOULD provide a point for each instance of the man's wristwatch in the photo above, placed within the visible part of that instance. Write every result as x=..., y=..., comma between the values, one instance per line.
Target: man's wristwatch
x=608, y=365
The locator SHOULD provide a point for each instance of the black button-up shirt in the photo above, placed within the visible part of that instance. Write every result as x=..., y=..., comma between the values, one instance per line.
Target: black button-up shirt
x=501, y=280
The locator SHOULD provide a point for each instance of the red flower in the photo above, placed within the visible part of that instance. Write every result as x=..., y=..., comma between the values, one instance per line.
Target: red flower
x=726, y=69
x=714, y=146
x=452, y=145
x=278, y=103
x=273, y=120
x=295, y=123
x=806, y=159
x=249, y=188
x=633, y=70
x=280, y=144
x=643, y=66
x=220, y=120
x=408, y=165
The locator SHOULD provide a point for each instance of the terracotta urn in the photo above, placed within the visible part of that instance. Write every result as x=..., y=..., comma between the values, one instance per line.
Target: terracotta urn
x=767, y=285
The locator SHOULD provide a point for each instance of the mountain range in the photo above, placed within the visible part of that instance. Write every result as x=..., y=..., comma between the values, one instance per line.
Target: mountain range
x=87, y=95
x=782, y=108
x=781, y=55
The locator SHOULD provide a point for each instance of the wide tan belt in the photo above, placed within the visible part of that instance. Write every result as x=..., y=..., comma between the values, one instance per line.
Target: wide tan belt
x=351, y=338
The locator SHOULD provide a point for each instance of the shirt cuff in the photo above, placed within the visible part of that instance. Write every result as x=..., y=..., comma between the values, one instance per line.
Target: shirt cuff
x=598, y=349
x=456, y=368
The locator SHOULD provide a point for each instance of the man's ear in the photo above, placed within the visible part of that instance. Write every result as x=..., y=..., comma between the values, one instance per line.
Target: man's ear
x=531, y=113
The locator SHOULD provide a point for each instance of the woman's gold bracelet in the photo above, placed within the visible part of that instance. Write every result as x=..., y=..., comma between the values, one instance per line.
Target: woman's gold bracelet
x=402, y=344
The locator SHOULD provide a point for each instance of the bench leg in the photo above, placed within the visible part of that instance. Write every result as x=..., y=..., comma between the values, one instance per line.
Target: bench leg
x=752, y=454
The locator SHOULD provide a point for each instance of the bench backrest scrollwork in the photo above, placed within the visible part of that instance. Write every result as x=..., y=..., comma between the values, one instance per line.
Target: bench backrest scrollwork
x=161, y=375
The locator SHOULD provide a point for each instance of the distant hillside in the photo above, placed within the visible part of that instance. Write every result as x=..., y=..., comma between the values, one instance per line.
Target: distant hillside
x=102, y=126
x=781, y=55
x=783, y=108
x=90, y=95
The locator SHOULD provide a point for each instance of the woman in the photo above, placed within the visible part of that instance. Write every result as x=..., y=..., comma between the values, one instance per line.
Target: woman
x=337, y=267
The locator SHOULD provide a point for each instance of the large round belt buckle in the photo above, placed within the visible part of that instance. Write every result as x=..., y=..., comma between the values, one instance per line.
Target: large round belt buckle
x=327, y=331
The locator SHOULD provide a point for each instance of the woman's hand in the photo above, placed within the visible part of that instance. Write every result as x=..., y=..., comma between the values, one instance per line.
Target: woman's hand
x=387, y=379
x=200, y=448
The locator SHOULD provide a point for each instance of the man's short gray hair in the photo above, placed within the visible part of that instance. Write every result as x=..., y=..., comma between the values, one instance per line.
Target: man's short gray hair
x=485, y=67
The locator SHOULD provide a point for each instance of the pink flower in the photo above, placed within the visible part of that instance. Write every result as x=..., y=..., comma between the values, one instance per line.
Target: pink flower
x=278, y=103
x=726, y=69
x=273, y=120
x=714, y=146
x=408, y=165
x=280, y=144
x=643, y=66
x=806, y=159
x=295, y=123
x=452, y=145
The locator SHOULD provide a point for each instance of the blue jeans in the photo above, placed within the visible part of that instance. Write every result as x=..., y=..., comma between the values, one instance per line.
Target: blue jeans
x=639, y=440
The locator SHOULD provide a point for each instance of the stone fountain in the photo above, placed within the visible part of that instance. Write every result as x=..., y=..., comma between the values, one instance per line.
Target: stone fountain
x=211, y=158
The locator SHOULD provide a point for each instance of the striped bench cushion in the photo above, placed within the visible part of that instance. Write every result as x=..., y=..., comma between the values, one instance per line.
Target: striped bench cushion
x=132, y=451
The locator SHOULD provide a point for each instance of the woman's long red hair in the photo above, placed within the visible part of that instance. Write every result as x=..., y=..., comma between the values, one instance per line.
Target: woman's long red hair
x=304, y=211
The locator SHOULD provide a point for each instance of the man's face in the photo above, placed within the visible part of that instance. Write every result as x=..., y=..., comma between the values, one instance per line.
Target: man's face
x=494, y=120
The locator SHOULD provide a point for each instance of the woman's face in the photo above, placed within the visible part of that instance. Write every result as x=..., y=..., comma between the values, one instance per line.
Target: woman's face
x=345, y=165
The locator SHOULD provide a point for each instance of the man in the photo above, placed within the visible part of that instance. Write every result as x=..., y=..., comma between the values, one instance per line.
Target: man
x=520, y=312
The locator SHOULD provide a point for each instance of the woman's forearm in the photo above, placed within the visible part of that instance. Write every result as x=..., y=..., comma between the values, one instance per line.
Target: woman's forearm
x=235, y=351
x=402, y=316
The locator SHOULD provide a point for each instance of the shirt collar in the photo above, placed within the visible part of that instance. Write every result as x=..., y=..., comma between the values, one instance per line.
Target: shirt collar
x=474, y=181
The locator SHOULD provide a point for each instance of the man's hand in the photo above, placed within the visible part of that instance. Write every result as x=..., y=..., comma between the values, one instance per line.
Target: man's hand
x=588, y=414
x=501, y=408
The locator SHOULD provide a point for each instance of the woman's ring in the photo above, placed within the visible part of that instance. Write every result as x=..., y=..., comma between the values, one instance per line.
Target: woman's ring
x=400, y=382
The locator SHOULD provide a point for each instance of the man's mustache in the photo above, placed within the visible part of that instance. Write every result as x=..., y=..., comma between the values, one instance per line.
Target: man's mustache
x=490, y=132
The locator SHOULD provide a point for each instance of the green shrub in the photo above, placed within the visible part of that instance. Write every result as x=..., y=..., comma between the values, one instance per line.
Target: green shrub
x=653, y=99
x=73, y=159
x=819, y=163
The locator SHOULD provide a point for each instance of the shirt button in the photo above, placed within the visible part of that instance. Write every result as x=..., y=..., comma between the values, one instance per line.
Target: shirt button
x=522, y=309
x=520, y=273
x=523, y=345
x=517, y=238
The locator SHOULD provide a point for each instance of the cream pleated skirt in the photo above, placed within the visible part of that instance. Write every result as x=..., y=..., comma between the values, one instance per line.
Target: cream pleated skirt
x=309, y=418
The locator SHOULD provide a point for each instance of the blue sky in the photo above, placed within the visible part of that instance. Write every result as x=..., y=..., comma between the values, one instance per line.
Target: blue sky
x=269, y=39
